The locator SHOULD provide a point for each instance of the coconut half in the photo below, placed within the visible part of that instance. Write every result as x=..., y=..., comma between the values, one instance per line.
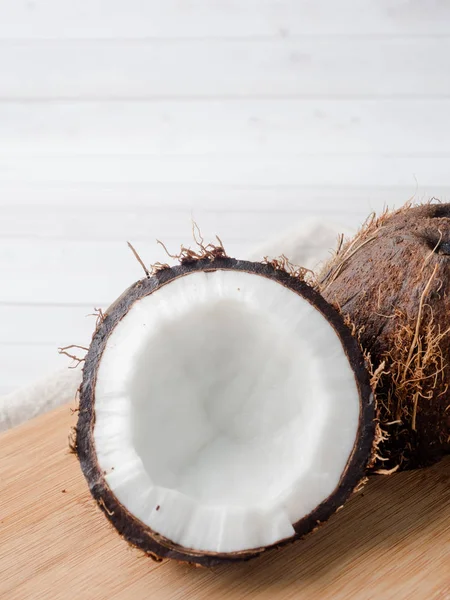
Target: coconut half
x=225, y=409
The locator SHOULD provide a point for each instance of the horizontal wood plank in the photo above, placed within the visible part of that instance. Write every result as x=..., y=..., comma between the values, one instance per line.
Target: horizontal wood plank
x=230, y=169
x=290, y=67
x=205, y=18
x=203, y=127
x=334, y=200
x=147, y=224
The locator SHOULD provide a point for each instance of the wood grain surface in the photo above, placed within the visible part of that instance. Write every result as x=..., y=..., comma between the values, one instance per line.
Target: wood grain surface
x=391, y=541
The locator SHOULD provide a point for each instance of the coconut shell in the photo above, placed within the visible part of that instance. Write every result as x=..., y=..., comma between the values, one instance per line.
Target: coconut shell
x=393, y=282
x=136, y=532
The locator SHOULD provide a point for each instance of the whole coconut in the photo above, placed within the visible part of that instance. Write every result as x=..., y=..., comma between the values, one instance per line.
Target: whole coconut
x=392, y=281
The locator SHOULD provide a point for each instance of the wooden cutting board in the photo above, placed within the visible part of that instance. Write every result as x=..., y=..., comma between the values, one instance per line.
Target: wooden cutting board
x=391, y=541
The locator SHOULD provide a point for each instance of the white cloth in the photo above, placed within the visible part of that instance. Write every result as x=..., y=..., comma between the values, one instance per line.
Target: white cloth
x=39, y=397
x=307, y=244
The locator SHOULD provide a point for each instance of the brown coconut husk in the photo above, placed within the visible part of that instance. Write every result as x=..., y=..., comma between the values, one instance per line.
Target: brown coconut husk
x=392, y=280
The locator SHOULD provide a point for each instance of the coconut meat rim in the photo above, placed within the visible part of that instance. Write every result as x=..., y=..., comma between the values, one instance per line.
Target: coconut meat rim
x=226, y=410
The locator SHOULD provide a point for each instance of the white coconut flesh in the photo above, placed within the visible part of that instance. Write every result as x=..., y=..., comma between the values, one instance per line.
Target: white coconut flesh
x=225, y=410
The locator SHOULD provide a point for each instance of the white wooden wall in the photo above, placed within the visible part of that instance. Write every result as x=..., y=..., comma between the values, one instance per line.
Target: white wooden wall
x=119, y=119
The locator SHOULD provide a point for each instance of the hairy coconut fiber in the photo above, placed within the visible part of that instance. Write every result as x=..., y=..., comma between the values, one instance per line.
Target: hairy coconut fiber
x=393, y=282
